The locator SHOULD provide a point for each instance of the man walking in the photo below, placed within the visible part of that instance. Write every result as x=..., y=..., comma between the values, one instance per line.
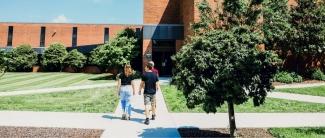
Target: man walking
x=150, y=83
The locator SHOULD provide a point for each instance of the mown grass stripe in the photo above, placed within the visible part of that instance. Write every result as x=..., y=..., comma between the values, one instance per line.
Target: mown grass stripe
x=29, y=82
x=3, y=80
x=20, y=79
x=59, y=82
x=74, y=80
x=7, y=75
x=49, y=81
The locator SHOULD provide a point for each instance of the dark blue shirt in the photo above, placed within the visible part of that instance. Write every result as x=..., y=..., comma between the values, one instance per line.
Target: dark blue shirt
x=150, y=80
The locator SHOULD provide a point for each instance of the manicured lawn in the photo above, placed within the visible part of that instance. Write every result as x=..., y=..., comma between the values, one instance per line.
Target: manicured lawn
x=92, y=100
x=317, y=132
x=316, y=91
x=176, y=102
x=25, y=81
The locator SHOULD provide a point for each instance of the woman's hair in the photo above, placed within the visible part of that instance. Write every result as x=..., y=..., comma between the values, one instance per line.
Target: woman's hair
x=127, y=70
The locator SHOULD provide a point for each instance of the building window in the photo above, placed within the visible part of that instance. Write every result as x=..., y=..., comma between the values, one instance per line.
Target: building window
x=106, y=35
x=10, y=35
x=42, y=37
x=74, y=36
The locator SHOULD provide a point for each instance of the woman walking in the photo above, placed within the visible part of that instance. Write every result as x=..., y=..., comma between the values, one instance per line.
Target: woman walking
x=125, y=88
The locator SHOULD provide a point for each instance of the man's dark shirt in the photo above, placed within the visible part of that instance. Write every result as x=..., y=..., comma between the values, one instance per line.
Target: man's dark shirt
x=150, y=80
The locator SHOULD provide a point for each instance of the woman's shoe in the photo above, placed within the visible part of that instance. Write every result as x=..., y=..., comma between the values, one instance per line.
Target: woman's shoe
x=123, y=116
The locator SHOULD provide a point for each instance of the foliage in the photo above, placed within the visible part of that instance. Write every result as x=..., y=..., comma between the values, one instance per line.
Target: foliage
x=21, y=58
x=54, y=56
x=318, y=75
x=75, y=59
x=304, y=132
x=286, y=77
x=221, y=63
x=276, y=26
x=2, y=62
x=116, y=53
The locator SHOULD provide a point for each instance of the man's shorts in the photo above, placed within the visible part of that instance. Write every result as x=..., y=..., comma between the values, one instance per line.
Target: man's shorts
x=149, y=99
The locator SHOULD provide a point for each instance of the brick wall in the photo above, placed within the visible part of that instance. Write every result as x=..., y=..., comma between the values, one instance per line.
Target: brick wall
x=161, y=12
x=29, y=33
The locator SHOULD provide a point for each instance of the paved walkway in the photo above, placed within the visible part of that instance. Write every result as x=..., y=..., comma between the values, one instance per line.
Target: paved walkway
x=165, y=125
x=297, y=97
x=298, y=85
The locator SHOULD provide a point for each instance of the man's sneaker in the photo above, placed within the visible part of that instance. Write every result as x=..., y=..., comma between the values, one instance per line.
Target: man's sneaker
x=128, y=117
x=123, y=116
x=147, y=121
x=153, y=117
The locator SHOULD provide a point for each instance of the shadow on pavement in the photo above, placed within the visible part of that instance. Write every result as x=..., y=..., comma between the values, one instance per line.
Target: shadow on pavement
x=160, y=132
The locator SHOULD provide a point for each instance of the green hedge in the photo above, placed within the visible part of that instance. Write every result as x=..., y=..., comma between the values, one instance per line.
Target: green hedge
x=318, y=75
x=21, y=59
x=286, y=77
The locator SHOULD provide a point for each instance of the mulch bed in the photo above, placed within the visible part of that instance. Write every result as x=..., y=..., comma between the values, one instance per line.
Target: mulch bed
x=34, y=132
x=224, y=132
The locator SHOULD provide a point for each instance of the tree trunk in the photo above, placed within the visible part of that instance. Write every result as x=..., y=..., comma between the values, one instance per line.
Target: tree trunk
x=231, y=113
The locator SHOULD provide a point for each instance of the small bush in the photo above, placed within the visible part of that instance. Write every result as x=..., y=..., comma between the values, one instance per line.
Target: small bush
x=21, y=58
x=2, y=62
x=318, y=75
x=75, y=59
x=286, y=77
x=54, y=56
x=296, y=77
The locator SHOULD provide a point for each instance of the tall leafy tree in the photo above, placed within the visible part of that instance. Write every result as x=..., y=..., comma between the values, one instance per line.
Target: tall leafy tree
x=308, y=37
x=21, y=58
x=2, y=62
x=75, y=59
x=222, y=64
x=54, y=56
x=117, y=52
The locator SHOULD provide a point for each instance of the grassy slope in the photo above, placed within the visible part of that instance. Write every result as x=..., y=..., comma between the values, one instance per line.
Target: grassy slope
x=316, y=91
x=92, y=100
x=176, y=102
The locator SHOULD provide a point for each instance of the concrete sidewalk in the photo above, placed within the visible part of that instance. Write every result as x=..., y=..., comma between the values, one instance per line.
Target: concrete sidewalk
x=297, y=97
x=297, y=85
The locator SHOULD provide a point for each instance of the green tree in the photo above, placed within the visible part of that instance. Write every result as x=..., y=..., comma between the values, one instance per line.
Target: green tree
x=2, y=62
x=308, y=38
x=222, y=64
x=75, y=59
x=54, y=56
x=117, y=52
x=21, y=58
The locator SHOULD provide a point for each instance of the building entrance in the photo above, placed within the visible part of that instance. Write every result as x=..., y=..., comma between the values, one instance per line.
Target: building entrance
x=162, y=50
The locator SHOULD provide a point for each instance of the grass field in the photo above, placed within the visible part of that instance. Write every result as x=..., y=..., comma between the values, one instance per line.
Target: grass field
x=176, y=102
x=25, y=81
x=316, y=91
x=317, y=132
x=92, y=100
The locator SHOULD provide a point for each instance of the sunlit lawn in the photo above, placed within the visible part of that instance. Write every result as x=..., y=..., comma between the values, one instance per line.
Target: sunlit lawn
x=316, y=91
x=176, y=102
x=25, y=81
x=91, y=100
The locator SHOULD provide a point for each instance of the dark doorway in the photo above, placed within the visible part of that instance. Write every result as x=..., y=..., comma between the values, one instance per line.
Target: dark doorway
x=162, y=50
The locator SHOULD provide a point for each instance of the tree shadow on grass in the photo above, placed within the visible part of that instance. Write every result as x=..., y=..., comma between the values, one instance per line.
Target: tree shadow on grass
x=106, y=77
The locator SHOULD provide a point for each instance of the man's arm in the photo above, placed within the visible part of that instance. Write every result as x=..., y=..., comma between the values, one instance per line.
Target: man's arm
x=157, y=86
x=118, y=86
x=141, y=87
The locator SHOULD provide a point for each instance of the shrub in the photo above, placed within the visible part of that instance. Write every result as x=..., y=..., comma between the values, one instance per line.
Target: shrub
x=2, y=62
x=114, y=54
x=318, y=75
x=286, y=77
x=283, y=77
x=296, y=77
x=21, y=58
x=75, y=59
x=54, y=56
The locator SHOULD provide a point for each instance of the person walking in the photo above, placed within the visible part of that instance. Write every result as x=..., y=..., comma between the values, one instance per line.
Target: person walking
x=150, y=84
x=126, y=89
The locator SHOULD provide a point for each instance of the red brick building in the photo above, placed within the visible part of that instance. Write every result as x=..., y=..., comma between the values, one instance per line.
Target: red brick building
x=166, y=25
